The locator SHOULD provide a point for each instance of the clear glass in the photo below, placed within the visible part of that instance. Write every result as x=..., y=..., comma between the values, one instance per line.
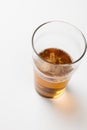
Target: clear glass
x=64, y=36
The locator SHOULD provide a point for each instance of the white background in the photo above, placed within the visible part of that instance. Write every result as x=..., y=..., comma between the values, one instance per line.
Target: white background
x=21, y=108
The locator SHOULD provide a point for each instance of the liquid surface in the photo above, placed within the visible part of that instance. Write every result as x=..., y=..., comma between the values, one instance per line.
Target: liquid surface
x=55, y=56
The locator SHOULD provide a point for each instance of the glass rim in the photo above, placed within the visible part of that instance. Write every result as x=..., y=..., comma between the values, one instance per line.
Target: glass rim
x=58, y=21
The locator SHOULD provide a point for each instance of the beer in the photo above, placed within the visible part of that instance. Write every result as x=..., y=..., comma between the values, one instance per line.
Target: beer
x=53, y=75
x=58, y=48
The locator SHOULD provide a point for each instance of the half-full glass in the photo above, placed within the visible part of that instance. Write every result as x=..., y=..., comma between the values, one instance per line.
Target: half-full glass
x=51, y=79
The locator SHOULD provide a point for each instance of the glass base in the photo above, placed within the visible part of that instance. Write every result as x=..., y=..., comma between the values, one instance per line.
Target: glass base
x=46, y=94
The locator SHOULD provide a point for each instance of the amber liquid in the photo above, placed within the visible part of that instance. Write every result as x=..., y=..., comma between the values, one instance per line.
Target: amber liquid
x=54, y=57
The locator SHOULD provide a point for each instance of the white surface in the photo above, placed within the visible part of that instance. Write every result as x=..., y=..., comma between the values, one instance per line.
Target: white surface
x=21, y=108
